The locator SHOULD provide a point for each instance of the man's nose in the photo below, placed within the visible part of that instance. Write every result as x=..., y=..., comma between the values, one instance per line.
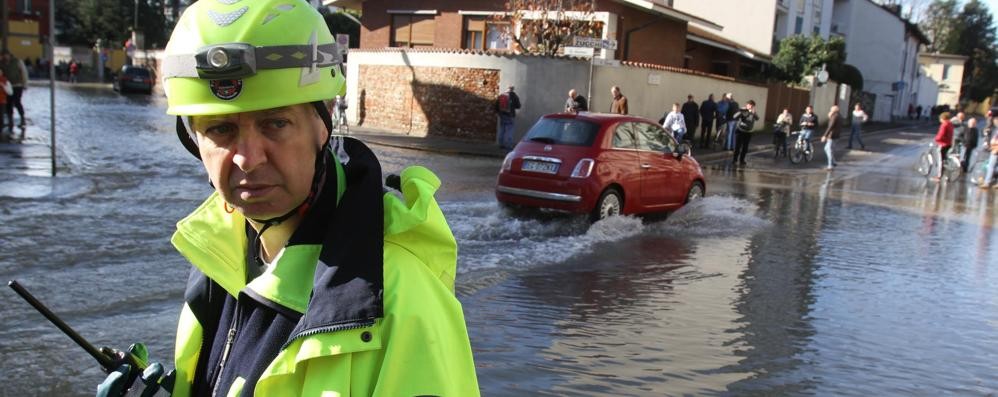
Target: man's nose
x=250, y=150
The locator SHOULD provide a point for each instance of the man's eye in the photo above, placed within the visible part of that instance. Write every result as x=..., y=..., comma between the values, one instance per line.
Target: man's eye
x=221, y=129
x=277, y=123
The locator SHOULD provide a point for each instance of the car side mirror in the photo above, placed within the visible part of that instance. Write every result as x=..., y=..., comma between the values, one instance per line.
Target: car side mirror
x=682, y=150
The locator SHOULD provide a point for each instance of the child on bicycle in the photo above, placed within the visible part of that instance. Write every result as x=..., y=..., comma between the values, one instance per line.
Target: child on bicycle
x=808, y=121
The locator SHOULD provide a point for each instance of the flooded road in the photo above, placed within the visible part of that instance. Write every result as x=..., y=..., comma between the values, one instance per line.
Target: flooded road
x=865, y=281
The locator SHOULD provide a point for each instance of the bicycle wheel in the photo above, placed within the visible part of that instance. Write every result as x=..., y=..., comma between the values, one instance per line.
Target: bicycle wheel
x=978, y=170
x=953, y=170
x=796, y=154
x=808, y=152
x=925, y=163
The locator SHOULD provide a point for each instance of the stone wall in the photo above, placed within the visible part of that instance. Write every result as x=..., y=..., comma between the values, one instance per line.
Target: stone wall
x=440, y=101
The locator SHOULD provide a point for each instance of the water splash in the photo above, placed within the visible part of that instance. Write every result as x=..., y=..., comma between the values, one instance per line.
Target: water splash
x=490, y=237
x=713, y=216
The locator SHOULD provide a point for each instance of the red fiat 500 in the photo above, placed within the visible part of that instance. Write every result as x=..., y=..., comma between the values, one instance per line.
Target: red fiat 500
x=601, y=165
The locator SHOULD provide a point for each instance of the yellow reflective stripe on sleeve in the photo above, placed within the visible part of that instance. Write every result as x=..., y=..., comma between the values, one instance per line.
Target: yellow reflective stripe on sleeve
x=188, y=348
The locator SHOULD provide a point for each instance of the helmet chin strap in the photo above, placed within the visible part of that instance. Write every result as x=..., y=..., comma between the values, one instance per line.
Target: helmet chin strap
x=317, y=179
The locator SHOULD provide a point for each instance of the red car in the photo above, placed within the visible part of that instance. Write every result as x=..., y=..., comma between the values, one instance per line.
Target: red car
x=601, y=165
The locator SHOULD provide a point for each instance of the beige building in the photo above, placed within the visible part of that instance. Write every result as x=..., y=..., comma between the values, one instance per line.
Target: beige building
x=940, y=79
x=749, y=24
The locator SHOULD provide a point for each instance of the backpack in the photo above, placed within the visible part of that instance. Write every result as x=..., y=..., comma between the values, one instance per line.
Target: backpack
x=745, y=121
x=505, y=105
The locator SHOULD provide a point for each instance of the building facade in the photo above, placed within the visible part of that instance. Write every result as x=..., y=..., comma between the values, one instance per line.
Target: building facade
x=27, y=27
x=884, y=47
x=807, y=17
x=940, y=79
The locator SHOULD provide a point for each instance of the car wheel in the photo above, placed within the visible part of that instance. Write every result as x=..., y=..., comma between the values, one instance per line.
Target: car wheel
x=695, y=193
x=609, y=204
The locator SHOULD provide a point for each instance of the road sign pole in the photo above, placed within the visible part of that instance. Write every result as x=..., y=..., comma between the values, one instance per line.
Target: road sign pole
x=52, y=79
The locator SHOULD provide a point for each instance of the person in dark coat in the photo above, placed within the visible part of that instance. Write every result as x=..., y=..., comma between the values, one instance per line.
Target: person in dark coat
x=707, y=110
x=691, y=112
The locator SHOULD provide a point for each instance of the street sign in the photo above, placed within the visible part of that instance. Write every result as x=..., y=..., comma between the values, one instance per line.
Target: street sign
x=592, y=42
x=579, y=52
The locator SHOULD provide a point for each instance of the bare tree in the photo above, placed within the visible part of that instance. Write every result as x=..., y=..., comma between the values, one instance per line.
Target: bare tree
x=545, y=26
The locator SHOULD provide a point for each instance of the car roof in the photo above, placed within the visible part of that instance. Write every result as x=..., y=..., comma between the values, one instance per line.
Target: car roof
x=598, y=118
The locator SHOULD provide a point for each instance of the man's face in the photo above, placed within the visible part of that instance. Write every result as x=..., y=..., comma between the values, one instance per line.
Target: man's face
x=614, y=92
x=961, y=116
x=261, y=162
x=571, y=94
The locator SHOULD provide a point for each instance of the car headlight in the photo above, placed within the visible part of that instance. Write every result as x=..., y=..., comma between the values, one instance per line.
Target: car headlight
x=583, y=168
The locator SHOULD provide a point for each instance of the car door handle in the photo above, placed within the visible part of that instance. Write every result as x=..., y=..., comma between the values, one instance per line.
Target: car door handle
x=646, y=166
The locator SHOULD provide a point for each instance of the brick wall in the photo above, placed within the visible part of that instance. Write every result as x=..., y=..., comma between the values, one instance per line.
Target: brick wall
x=440, y=101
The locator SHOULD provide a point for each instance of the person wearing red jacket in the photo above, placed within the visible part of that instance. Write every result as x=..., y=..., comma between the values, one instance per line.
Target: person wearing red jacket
x=944, y=139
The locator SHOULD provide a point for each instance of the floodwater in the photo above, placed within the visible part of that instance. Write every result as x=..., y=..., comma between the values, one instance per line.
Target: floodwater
x=865, y=281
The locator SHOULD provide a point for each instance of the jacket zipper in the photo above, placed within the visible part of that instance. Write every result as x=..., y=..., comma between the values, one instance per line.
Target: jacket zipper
x=229, y=340
x=332, y=328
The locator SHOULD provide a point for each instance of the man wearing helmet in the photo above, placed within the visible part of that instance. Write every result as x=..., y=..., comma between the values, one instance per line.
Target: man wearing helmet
x=308, y=277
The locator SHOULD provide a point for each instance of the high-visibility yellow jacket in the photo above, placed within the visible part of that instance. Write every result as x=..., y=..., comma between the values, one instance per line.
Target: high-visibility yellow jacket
x=352, y=306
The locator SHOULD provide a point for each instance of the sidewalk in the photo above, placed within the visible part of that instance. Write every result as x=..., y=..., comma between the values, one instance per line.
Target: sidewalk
x=445, y=145
x=27, y=153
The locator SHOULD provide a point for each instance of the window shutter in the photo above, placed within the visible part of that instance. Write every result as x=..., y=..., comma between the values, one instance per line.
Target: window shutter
x=423, y=30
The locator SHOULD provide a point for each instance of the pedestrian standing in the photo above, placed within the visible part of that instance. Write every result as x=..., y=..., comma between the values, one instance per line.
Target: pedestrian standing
x=506, y=105
x=970, y=135
x=691, y=112
x=959, y=124
x=729, y=142
x=944, y=140
x=309, y=277
x=744, y=120
x=74, y=69
x=831, y=134
x=5, y=92
x=575, y=103
x=992, y=146
x=675, y=123
x=911, y=111
x=17, y=74
x=619, y=103
x=722, y=119
x=858, y=118
x=918, y=112
x=782, y=130
x=708, y=109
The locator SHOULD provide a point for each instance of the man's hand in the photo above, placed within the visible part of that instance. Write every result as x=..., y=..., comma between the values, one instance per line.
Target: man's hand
x=121, y=381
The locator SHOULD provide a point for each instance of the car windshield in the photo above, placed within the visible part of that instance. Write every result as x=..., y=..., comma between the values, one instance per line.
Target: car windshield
x=560, y=131
x=137, y=72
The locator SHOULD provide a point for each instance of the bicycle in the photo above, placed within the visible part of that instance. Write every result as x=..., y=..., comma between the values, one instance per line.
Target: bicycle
x=802, y=150
x=980, y=167
x=720, y=136
x=779, y=142
x=951, y=164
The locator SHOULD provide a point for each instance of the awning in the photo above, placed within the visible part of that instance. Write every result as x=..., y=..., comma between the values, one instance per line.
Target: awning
x=703, y=36
x=661, y=9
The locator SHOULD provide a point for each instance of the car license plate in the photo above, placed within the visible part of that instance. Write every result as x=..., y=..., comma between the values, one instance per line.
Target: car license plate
x=539, y=166
x=137, y=79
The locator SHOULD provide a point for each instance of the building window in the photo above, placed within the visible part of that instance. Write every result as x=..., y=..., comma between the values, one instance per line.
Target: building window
x=413, y=30
x=686, y=61
x=945, y=72
x=799, y=25
x=483, y=34
x=24, y=6
x=720, y=67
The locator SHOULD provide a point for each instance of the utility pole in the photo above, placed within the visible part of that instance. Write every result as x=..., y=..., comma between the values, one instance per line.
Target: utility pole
x=3, y=14
x=51, y=77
